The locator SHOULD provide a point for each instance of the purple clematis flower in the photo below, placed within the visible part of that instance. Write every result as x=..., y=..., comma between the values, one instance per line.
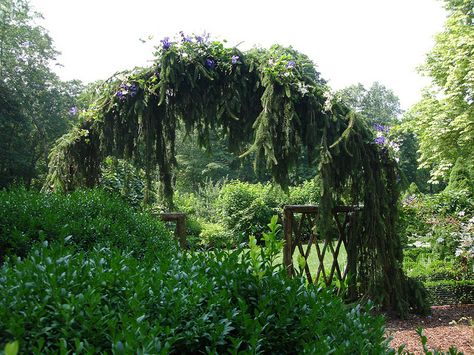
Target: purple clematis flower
x=380, y=140
x=204, y=38
x=185, y=38
x=381, y=128
x=291, y=64
x=166, y=43
x=210, y=63
x=235, y=58
x=133, y=90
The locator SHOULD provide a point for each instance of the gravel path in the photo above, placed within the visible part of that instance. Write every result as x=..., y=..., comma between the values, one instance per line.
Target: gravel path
x=447, y=326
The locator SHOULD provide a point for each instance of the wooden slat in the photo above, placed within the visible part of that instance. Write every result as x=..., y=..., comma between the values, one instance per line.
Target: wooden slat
x=315, y=208
x=288, y=248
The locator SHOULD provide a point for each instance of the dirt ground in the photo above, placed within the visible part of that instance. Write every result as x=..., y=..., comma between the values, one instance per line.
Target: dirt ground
x=447, y=326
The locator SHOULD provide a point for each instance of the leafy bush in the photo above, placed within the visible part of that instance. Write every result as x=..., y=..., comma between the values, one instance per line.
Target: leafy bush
x=86, y=217
x=228, y=213
x=439, y=227
x=417, y=296
x=121, y=177
x=57, y=300
x=215, y=235
x=461, y=178
x=428, y=269
x=308, y=193
x=246, y=208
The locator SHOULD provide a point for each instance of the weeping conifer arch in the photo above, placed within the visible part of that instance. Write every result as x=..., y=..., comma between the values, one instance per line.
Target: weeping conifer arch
x=269, y=103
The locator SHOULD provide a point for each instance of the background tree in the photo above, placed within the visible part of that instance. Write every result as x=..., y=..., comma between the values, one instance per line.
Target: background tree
x=378, y=104
x=14, y=130
x=444, y=118
x=42, y=103
x=381, y=106
x=408, y=159
x=197, y=165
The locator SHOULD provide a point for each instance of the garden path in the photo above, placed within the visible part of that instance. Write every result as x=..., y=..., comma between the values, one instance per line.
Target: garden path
x=447, y=326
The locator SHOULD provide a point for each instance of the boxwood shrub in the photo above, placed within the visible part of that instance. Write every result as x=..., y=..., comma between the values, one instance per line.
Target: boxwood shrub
x=58, y=301
x=87, y=218
x=444, y=292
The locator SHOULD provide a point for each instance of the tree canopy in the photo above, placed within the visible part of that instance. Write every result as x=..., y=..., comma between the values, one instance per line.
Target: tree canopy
x=378, y=104
x=444, y=119
x=38, y=102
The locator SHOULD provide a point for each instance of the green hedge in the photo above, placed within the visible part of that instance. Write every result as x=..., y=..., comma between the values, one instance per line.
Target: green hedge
x=450, y=292
x=86, y=218
x=108, y=301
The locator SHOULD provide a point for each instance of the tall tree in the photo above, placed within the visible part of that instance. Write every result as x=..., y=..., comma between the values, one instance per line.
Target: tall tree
x=42, y=102
x=444, y=119
x=378, y=104
x=14, y=130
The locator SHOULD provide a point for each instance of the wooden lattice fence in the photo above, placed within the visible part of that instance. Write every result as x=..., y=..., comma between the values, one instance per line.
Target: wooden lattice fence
x=303, y=239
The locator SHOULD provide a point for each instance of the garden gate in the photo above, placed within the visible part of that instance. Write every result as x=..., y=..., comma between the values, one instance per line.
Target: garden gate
x=304, y=241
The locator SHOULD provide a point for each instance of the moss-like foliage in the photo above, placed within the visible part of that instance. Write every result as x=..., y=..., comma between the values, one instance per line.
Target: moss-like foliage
x=271, y=104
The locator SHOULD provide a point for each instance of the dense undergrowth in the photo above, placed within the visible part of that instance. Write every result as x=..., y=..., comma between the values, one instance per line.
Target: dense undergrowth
x=84, y=278
x=438, y=233
x=108, y=301
x=86, y=218
x=225, y=214
x=89, y=274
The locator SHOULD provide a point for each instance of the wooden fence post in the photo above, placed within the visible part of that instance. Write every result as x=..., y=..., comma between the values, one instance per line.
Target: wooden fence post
x=287, y=248
x=180, y=230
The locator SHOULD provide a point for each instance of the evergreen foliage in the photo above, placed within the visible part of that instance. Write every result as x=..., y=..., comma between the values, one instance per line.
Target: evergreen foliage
x=105, y=301
x=461, y=178
x=14, y=129
x=271, y=104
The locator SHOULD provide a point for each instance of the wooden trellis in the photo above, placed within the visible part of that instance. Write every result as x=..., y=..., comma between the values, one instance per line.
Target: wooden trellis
x=302, y=238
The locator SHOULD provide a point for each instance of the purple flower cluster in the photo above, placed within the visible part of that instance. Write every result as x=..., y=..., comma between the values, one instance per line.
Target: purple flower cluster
x=210, y=64
x=204, y=38
x=166, y=43
x=381, y=128
x=380, y=140
x=185, y=38
x=235, y=59
x=291, y=64
x=73, y=111
x=127, y=90
x=382, y=131
x=133, y=90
